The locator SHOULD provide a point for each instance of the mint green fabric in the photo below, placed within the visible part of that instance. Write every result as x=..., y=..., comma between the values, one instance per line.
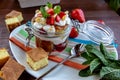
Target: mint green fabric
x=25, y=34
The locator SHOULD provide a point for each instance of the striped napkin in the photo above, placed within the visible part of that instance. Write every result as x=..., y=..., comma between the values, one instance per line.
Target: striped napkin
x=76, y=63
x=82, y=38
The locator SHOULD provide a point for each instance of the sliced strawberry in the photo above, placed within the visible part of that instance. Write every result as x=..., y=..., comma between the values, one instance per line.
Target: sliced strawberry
x=61, y=14
x=101, y=21
x=57, y=18
x=50, y=11
x=74, y=33
x=50, y=20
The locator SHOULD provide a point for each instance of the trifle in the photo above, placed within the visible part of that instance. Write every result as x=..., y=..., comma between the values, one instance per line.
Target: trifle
x=51, y=27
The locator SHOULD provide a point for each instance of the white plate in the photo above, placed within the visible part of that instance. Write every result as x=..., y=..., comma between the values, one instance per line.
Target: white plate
x=60, y=73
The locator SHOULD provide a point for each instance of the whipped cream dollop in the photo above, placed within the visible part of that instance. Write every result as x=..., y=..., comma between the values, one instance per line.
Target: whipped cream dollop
x=37, y=25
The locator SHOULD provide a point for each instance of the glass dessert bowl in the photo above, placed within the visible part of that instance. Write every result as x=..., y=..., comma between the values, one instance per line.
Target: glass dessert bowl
x=51, y=28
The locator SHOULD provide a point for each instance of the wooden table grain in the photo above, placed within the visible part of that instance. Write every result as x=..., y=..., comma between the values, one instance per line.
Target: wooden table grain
x=94, y=10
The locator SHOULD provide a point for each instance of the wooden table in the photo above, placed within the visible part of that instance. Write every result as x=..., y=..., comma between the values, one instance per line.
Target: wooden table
x=94, y=10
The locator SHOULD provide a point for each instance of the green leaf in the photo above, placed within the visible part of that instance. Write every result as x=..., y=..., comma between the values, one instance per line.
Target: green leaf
x=117, y=61
x=112, y=55
x=49, y=5
x=88, y=56
x=114, y=4
x=114, y=64
x=85, y=55
x=93, y=65
x=44, y=13
x=108, y=55
x=86, y=62
x=108, y=69
x=110, y=73
x=57, y=9
x=97, y=69
x=93, y=50
x=103, y=49
x=85, y=72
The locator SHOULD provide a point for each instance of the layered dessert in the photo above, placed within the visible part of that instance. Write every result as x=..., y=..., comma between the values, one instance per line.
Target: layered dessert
x=51, y=27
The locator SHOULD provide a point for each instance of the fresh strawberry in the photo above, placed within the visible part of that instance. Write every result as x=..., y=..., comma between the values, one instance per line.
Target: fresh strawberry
x=50, y=20
x=57, y=18
x=101, y=21
x=74, y=33
x=61, y=14
x=50, y=11
x=78, y=14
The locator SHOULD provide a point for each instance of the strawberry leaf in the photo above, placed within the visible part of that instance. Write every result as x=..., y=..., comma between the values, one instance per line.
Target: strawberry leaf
x=44, y=13
x=57, y=9
x=49, y=5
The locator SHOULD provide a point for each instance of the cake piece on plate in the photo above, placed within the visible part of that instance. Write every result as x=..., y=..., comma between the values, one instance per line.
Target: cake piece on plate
x=4, y=56
x=37, y=58
x=11, y=70
x=13, y=19
x=15, y=14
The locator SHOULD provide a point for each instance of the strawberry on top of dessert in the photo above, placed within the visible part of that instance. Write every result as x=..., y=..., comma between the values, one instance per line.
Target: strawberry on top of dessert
x=51, y=19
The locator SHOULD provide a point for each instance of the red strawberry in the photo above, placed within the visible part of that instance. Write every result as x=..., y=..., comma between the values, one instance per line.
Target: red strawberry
x=74, y=33
x=101, y=21
x=57, y=18
x=50, y=11
x=61, y=14
x=78, y=14
x=50, y=20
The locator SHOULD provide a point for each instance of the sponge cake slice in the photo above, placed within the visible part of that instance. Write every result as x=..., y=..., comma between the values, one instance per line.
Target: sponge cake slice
x=13, y=20
x=11, y=70
x=37, y=58
x=4, y=56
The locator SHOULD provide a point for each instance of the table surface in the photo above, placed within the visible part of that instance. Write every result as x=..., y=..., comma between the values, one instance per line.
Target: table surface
x=94, y=10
